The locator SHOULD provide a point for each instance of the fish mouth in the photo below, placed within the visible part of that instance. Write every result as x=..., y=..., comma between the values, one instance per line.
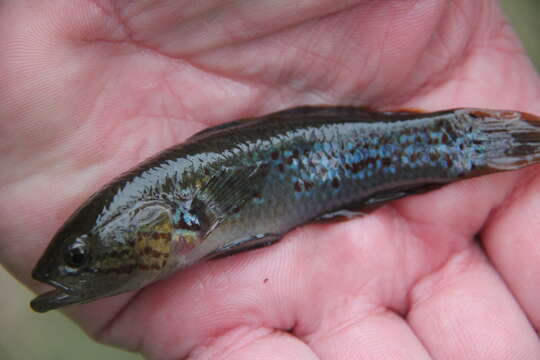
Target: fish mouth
x=59, y=297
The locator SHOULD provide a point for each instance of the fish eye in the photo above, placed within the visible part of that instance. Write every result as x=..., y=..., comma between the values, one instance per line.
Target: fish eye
x=77, y=254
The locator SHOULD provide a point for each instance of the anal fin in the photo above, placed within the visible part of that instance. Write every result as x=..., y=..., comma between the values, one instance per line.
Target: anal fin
x=374, y=202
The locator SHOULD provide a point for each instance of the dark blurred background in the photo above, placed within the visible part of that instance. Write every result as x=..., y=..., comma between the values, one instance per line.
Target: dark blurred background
x=25, y=335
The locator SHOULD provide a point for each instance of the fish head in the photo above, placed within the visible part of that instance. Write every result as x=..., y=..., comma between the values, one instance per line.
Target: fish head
x=94, y=257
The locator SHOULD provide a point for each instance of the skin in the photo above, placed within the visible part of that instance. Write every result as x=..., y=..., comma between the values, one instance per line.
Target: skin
x=90, y=88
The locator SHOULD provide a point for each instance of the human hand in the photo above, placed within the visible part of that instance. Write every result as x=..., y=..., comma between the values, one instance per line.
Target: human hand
x=90, y=88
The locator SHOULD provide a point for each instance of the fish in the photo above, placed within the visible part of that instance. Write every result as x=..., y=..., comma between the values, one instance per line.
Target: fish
x=243, y=185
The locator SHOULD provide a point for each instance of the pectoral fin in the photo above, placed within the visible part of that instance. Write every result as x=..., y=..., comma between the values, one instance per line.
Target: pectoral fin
x=224, y=194
x=230, y=189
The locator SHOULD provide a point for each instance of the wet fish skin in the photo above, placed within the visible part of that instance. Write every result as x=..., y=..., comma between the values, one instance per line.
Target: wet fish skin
x=244, y=184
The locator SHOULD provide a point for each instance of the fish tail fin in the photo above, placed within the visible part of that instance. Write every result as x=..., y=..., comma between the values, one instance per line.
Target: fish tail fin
x=512, y=138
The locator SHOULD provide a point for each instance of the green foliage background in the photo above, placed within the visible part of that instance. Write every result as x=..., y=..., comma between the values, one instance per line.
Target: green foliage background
x=27, y=335
x=524, y=15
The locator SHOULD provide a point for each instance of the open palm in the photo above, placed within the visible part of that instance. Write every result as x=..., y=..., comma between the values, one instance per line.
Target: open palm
x=91, y=87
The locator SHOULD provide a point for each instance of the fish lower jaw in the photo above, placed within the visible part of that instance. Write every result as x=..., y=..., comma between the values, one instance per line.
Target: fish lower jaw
x=54, y=299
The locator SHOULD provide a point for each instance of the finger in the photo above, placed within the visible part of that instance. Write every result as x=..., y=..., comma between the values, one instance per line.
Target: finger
x=512, y=243
x=260, y=344
x=374, y=335
x=444, y=208
x=464, y=311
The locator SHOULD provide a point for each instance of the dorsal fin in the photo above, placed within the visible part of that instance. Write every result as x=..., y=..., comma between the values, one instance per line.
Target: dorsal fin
x=321, y=111
x=225, y=127
x=409, y=111
x=313, y=113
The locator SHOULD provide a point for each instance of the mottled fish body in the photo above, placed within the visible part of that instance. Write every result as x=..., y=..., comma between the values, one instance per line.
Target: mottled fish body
x=244, y=184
